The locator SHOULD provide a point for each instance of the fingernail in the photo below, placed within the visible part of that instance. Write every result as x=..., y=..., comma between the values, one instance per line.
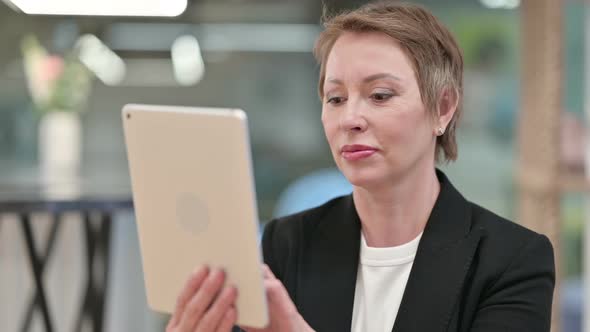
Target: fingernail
x=199, y=269
x=215, y=272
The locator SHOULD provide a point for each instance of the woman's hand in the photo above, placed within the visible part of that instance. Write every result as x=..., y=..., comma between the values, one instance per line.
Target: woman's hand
x=204, y=304
x=283, y=314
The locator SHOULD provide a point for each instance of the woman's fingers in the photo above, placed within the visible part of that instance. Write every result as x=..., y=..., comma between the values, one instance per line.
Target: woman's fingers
x=266, y=272
x=276, y=294
x=191, y=286
x=228, y=320
x=200, y=302
x=224, y=301
x=282, y=312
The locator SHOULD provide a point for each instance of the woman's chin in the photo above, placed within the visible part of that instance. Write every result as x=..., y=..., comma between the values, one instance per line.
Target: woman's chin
x=364, y=179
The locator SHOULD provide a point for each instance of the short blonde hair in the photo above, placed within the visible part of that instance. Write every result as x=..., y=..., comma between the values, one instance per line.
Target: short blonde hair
x=430, y=46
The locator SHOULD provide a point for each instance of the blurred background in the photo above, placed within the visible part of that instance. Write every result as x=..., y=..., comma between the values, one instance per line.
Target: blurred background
x=65, y=78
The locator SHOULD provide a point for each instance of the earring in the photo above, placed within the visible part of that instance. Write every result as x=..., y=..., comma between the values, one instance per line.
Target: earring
x=440, y=131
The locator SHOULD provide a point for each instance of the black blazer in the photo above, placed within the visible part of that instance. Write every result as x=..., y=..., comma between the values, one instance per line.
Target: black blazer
x=474, y=271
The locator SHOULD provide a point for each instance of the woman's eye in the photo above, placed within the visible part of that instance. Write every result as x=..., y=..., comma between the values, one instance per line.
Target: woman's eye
x=335, y=100
x=381, y=96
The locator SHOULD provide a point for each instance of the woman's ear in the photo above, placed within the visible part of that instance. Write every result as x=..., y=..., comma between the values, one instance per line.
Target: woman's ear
x=446, y=107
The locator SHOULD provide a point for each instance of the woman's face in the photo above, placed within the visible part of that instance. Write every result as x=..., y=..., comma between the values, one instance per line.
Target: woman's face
x=376, y=125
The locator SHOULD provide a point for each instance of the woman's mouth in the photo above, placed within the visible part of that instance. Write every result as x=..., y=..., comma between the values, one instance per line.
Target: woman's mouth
x=357, y=152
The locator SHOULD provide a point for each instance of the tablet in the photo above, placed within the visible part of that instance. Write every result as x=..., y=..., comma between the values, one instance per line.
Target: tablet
x=195, y=202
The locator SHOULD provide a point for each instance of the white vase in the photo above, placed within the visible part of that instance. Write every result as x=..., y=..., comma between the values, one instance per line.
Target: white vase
x=60, y=141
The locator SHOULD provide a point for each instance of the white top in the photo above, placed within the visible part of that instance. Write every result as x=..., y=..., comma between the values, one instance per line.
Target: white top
x=381, y=280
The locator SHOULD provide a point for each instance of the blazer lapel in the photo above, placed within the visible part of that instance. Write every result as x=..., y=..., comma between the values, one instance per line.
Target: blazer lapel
x=444, y=256
x=326, y=292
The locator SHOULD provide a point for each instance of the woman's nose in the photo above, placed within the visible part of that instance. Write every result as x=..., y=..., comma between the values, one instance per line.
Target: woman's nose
x=353, y=118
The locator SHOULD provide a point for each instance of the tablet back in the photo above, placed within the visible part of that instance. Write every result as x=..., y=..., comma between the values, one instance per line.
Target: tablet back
x=195, y=203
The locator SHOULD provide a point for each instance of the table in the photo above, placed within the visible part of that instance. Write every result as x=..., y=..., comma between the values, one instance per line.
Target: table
x=96, y=204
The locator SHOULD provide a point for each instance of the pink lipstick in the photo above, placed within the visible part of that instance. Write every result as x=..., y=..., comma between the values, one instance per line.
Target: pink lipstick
x=357, y=152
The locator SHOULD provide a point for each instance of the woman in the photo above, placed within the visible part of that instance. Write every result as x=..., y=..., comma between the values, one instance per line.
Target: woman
x=405, y=251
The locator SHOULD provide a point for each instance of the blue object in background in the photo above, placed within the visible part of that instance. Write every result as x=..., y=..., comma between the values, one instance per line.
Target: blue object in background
x=312, y=190
x=572, y=305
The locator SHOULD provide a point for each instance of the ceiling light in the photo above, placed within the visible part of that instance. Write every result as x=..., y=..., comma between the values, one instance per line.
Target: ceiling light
x=101, y=60
x=501, y=4
x=101, y=8
x=187, y=60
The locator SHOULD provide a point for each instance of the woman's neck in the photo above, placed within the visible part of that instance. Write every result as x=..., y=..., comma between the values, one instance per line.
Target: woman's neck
x=397, y=213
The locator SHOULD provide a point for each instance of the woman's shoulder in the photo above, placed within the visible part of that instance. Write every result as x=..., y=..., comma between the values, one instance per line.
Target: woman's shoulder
x=466, y=217
x=506, y=243
x=284, y=237
x=499, y=228
x=512, y=264
x=307, y=220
